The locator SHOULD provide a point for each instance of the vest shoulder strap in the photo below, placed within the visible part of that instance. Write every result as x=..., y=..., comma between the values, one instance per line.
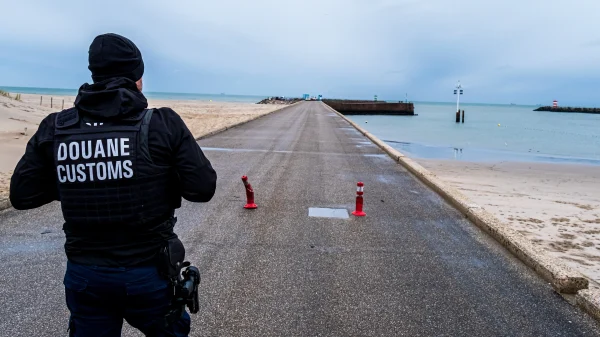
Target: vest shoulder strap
x=143, y=135
x=66, y=118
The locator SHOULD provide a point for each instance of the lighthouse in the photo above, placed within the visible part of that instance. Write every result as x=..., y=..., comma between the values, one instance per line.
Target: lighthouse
x=555, y=104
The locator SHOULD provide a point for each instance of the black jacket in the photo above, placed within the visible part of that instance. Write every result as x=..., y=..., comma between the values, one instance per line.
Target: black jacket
x=34, y=181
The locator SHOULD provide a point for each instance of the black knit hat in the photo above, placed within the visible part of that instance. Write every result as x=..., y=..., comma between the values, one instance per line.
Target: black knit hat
x=113, y=55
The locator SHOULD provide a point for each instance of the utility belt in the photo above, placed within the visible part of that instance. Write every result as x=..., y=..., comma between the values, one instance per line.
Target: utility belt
x=184, y=279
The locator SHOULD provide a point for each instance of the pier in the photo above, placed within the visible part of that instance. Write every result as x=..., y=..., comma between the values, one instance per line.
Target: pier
x=357, y=107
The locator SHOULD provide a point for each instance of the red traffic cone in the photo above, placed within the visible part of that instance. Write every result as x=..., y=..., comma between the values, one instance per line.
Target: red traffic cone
x=249, y=194
x=359, y=200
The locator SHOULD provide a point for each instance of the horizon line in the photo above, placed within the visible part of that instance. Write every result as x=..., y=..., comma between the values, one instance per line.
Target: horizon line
x=254, y=95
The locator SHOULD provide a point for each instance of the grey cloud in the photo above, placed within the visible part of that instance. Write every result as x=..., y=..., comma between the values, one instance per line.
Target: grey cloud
x=337, y=47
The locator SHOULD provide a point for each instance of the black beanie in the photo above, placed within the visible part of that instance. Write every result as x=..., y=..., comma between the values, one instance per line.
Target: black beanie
x=113, y=55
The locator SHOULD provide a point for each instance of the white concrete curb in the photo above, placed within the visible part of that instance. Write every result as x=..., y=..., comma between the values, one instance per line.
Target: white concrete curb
x=589, y=301
x=562, y=278
x=5, y=204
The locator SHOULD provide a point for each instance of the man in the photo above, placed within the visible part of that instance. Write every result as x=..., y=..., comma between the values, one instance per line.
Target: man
x=120, y=171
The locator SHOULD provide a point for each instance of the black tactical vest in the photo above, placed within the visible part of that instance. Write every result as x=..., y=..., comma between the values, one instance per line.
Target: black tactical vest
x=106, y=178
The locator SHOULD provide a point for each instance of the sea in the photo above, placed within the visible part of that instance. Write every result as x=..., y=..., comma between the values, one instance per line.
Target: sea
x=491, y=133
x=152, y=95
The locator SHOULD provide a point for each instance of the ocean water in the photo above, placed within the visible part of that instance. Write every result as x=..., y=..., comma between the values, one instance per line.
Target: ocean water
x=490, y=133
x=40, y=91
x=150, y=95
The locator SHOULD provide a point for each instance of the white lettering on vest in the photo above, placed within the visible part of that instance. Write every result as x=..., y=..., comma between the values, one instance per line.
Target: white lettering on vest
x=113, y=148
x=124, y=146
x=127, y=167
x=71, y=173
x=91, y=167
x=73, y=151
x=99, y=149
x=62, y=152
x=81, y=173
x=101, y=171
x=88, y=154
x=115, y=170
x=80, y=151
x=61, y=178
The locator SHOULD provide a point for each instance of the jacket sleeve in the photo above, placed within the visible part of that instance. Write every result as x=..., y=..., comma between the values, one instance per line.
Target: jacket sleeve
x=197, y=178
x=33, y=182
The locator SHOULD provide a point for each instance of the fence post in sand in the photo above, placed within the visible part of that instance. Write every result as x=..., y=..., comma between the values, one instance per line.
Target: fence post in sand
x=41, y=100
x=463, y=116
x=63, y=107
x=50, y=102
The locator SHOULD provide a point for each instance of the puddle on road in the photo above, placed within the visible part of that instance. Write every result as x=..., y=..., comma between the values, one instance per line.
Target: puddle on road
x=220, y=149
x=338, y=213
x=376, y=155
x=232, y=150
x=364, y=145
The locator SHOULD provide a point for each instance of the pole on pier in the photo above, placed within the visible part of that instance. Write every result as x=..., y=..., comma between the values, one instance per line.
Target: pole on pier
x=463, y=116
x=458, y=116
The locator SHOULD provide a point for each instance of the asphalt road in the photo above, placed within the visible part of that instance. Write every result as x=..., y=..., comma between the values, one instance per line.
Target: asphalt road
x=413, y=267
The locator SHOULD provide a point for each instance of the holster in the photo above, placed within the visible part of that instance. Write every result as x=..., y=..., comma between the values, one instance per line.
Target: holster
x=170, y=259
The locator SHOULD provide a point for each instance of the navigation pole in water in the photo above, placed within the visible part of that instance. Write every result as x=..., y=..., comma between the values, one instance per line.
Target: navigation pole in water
x=458, y=91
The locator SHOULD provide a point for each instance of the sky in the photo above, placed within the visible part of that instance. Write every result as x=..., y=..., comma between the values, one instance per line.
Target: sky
x=509, y=51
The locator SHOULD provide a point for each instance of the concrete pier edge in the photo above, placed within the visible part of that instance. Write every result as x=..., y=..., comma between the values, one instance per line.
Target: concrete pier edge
x=5, y=203
x=589, y=301
x=562, y=278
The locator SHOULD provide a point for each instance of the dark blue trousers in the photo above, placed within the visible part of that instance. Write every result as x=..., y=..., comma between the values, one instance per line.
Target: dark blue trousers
x=99, y=298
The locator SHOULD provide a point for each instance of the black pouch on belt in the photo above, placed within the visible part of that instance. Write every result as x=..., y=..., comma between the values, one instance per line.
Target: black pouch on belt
x=170, y=258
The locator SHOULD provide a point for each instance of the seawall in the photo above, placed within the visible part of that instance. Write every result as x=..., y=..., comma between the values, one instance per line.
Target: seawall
x=352, y=107
x=569, y=109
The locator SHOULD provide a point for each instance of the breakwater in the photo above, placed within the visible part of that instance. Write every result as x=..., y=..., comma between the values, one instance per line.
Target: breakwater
x=358, y=107
x=569, y=109
x=279, y=100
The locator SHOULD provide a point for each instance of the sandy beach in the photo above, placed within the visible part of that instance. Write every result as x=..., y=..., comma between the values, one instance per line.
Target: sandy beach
x=557, y=206
x=20, y=119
